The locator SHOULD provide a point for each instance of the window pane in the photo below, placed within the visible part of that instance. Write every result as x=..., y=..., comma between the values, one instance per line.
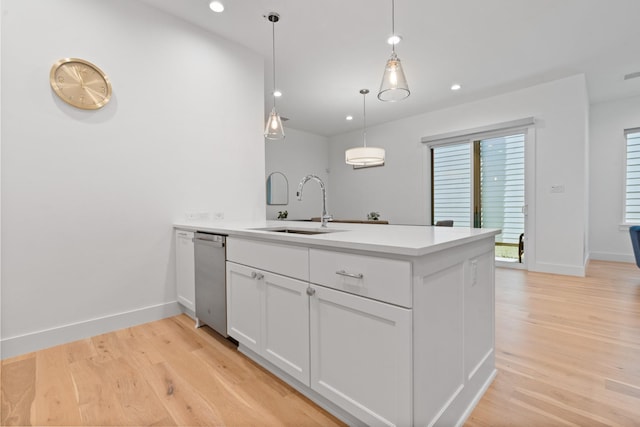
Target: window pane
x=502, y=186
x=452, y=184
x=632, y=205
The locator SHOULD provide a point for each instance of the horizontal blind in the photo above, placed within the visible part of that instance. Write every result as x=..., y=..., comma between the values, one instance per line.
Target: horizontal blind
x=452, y=184
x=502, y=186
x=632, y=204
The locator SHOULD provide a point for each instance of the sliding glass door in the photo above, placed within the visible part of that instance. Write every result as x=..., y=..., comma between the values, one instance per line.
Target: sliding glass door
x=481, y=183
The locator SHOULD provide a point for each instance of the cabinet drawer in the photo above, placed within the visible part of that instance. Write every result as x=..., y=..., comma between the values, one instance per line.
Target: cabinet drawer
x=292, y=261
x=381, y=279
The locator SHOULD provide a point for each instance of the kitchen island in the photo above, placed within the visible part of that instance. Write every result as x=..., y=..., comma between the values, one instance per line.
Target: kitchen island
x=378, y=324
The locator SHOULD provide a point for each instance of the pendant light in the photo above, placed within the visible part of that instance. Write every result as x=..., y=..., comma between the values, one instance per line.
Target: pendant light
x=273, y=129
x=364, y=156
x=394, y=85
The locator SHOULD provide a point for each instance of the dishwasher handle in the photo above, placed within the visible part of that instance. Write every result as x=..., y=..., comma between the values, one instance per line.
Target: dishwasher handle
x=209, y=243
x=213, y=240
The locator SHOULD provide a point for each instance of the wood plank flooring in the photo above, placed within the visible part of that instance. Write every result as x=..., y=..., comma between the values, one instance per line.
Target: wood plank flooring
x=567, y=353
x=567, y=349
x=165, y=373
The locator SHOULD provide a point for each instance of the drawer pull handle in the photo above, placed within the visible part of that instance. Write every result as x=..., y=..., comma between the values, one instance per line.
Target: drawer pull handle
x=311, y=292
x=255, y=275
x=354, y=275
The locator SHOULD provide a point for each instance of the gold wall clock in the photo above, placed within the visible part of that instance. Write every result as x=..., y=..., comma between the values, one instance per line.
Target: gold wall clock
x=80, y=83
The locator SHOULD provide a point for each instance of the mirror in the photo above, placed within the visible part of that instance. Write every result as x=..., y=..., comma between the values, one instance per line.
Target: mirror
x=277, y=189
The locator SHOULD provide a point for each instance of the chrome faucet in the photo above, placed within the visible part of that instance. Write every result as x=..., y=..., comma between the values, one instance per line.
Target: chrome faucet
x=325, y=217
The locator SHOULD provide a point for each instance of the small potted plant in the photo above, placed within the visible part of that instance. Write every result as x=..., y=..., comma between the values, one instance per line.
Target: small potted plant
x=373, y=216
x=283, y=214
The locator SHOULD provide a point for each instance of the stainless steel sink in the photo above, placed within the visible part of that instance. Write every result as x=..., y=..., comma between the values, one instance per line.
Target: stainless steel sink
x=307, y=231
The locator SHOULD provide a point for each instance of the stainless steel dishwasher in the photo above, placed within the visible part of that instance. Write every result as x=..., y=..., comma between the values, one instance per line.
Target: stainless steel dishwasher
x=211, y=293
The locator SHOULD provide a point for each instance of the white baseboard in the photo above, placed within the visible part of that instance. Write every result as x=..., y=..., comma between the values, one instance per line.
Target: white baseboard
x=568, y=270
x=15, y=346
x=187, y=311
x=612, y=256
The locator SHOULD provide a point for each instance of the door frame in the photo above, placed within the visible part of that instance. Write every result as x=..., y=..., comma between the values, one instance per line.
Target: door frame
x=525, y=126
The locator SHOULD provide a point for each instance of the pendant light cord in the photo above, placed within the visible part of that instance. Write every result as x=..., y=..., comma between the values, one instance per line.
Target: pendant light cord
x=393, y=24
x=364, y=121
x=273, y=46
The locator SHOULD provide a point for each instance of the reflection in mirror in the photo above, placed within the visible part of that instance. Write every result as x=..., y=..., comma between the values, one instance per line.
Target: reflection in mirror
x=277, y=189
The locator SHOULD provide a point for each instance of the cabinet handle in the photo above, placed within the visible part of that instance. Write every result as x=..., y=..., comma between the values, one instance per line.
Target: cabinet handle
x=311, y=292
x=258, y=276
x=353, y=275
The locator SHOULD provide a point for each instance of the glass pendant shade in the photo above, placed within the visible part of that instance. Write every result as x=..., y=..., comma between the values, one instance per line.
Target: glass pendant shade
x=394, y=85
x=274, y=129
x=364, y=156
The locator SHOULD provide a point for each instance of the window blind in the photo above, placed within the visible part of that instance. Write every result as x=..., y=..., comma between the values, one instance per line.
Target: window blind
x=632, y=182
x=502, y=186
x=452, y=184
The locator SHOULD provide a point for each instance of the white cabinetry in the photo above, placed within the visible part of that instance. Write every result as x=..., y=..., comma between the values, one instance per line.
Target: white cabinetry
x=185, y=270
x=361, y=356
x=382, y=279
x=244, y=305
x=380, y=340
x=269, y=314
x=285, y=325
x=354, y=351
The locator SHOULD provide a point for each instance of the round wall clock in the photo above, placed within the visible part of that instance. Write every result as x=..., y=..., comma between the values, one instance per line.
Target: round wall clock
x=80, y=83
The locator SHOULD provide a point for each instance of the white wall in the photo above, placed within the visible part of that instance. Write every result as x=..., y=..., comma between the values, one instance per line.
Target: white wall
x=609, y=241
x=299, y=154
x=400, y=190
x=1, y=9
x=89, y=197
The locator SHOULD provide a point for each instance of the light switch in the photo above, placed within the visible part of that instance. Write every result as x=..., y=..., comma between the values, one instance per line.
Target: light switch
x=559, y=188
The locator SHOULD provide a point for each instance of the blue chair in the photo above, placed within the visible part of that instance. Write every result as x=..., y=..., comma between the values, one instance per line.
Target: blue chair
x=634, y=231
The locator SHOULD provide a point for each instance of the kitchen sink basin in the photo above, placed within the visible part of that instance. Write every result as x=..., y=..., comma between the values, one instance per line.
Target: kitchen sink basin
x=307, y=231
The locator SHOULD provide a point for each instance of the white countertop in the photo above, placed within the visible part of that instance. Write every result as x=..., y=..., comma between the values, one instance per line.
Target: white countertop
x=411, y=240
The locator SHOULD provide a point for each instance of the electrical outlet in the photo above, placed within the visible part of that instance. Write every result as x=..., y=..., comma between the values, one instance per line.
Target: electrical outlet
x=559, y=188
x=198, y=216
x=474, y=272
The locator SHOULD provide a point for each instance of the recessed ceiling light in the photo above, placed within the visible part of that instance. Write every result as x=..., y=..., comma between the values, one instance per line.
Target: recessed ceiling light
x=277, y=93
x=456, y=87
x=349, y=118
x=394, y=39
x=216, y=6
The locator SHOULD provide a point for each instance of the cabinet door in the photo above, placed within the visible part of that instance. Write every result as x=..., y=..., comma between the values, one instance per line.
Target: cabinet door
x=285, y=325
x=244, y=308
x=361, y=356
x=185, y=269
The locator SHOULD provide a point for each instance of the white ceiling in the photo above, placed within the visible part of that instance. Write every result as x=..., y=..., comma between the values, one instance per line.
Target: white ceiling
x=326, y=51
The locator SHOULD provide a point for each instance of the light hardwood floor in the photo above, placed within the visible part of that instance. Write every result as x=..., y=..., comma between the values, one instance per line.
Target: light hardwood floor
x=567, y=353
x=567, y=349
